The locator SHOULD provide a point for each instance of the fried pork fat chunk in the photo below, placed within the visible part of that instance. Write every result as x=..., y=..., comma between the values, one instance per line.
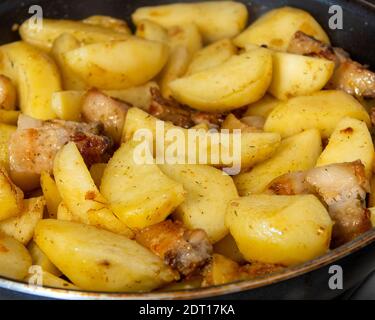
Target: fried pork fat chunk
x=182, y=249
x=33, y=147
x=342, y=187
x=349, y=76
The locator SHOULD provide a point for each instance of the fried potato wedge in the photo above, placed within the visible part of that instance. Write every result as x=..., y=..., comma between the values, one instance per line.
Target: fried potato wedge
x=98, y=260
x=283, y=230
x=11, y=197
x=239, y=81
x=22, y=227
x=35, y=75
x=321, y=110
x=150, y=30
x=276, y=28
x=139, y=193
x=40, y=259
x=6, y=132
x=118, y=64
x=202, y=208
x=51, y=194
x=296, y=75
x=15, y=260
x=86, y=33
x=228, y=248
x=117, y=25
x=253, y=147
x=292, y=155
x=211, y=56
x=80, y=194
x=215, y=19
x=50, y=280
x=350, y=141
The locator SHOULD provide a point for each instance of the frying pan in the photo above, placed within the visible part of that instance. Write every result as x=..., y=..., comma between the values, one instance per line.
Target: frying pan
x=308, y=281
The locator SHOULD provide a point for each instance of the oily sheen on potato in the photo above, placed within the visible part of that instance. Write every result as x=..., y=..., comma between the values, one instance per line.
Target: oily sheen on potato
x=284, y=230
x=99, y=260
x=239, y=81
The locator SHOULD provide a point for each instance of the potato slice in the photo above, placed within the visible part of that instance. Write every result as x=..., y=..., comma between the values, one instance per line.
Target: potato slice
x=35, y=75
x=186, y=35
x=65, y=43
x=296, y=75
x=22, y=227
x=254, y=147
x=68, y=104
x=284, y=230
x=50, y=280
x=202, y=208
x=321, y=110
x=211, y=56
x=98, y=260
x=64, y=214
x=176, y=67
x=80, y=194
x=6, y=132
x=276, y=28
x=215, y=19
x=150, y=30
x=51, y=194
x=237, y=82
x=11, y=197
x=117, y=25
x=292, y=155
x=350, y=141
x=86, y=33
x=263, y=107
x=8, y=94
x=228, y=248
x=139, y=193
x=40, y=259
x=221, y=271
x=15, y=260
x=118, y=64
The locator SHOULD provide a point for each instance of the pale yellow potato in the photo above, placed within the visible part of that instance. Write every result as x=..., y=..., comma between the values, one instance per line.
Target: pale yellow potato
x=22, y=227
x=186, y=35
x=231, y=123
x=228, y=248
x=176, y=67
x=80, y=194
x=9, y=117
x=8, y=94
x=215, y=19
x=11, y=197
x=321, y=110
x=97, y=171
x=211, y=56
x=139, y=193
x=208, y=192
x=150, y=30
x=251, y=147
x=68, y=104
x=86, y=33
x=65, y=43
x=350, y=141
x=118, y=64
x=15, y=260
x=64, y=214
x=40, y=259
x=296, y=153
x=285, y=230
x=239, y=81
x=295, y=75
x=6, y=132
x=263, y=107
x=35, y=75
x=50, y=280
x=276, y=28
x=50, y=193
x=114, y=24
x=98, y=260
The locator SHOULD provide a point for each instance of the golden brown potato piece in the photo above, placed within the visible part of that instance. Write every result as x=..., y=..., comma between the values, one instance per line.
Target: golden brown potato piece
x=117, y=25
x=98, y=260
x=51, y=194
